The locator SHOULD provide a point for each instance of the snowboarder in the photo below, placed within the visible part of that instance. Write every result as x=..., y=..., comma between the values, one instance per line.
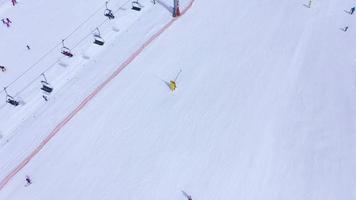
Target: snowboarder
x=352, y=10
x=3, y=69
x=28, y=180
x=13, y=2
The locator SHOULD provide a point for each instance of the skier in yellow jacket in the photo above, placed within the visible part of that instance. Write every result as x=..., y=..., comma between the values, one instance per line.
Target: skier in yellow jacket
x=172, y=85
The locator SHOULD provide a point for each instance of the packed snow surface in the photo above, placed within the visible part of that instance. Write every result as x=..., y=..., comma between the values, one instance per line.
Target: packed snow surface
x=264, y=106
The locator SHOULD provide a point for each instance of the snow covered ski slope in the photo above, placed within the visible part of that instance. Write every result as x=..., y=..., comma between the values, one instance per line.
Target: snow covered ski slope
x=264, y=107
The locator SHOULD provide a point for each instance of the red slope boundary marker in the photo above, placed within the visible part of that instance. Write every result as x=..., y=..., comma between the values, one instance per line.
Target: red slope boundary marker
x=59, y=126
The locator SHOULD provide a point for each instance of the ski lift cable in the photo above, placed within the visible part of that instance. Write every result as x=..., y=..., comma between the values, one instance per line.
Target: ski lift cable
x=37, y=77
x=61, y=43
x=57, y=45
x=32, y=66
x=85, y=37
x=100, y=25
x=82, y=24
x=52, y=49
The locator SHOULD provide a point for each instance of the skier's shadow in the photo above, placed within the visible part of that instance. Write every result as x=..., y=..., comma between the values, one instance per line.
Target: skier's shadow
x=164, y=81
x=186, y=195
x=347, y=11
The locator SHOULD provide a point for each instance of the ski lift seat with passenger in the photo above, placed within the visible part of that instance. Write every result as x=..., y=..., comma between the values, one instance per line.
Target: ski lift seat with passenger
x=66, y=51
x=12, y=101
x=98, y=40
x=136, y=6
x=108, y=13
x=46, y=87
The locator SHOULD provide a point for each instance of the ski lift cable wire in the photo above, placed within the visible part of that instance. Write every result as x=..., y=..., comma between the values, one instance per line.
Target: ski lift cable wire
x=52, y=49
x=58, y=60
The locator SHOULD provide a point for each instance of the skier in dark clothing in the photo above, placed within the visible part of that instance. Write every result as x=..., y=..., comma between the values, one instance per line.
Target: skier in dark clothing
x=6, y=23
x=28, y=180
x=2, y=68
x=352, y=10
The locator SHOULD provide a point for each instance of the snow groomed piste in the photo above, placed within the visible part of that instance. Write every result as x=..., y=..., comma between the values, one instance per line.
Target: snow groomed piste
x=263, y=107
x=67, y=52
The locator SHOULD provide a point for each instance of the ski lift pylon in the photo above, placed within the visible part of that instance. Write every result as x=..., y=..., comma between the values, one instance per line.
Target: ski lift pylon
x=136, y=5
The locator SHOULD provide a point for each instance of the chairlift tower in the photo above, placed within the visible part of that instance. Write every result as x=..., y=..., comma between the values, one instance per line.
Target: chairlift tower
x=176, y=11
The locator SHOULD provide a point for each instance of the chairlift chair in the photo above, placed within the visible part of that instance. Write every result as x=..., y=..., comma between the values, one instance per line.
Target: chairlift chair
x=108, y=13
x=67, y=52
x=136, y=6
x=46, y=87
x=12, y=101
x=98, y=40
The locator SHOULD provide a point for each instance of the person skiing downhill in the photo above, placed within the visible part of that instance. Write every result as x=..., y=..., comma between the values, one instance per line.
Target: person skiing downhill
x=5, y=23
x=2, y=68
x=352, y=10
x=28, y=180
